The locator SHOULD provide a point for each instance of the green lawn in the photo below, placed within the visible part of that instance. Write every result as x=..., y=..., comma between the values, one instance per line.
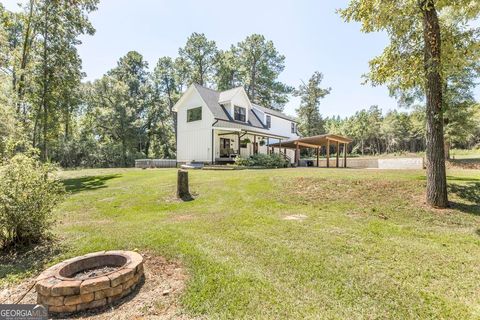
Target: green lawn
x=368, y=248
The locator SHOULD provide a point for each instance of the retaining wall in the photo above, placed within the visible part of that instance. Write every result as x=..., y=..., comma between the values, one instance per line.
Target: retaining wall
x=155, y=163
x=391, y=163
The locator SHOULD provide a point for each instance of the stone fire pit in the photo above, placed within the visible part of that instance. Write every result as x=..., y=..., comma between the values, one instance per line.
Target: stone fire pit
x=90, y=281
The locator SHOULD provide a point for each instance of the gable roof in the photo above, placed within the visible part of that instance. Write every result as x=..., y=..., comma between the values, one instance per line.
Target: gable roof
x=213, y=98
x=274, y=113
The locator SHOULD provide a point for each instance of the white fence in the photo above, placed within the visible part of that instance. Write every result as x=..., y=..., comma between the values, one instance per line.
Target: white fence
x=155, y=163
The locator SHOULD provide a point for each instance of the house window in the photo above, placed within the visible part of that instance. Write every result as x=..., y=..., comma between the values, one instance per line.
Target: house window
x=294, y=127
x=240, y=114
x=194, y=114
x=269, y=121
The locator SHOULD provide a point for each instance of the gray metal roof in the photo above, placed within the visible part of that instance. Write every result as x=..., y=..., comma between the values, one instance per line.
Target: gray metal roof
x=244, y=127
x=274, y=112
x=211, y=98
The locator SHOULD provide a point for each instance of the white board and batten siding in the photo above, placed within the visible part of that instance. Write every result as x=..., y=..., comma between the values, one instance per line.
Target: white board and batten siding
x=194, y=142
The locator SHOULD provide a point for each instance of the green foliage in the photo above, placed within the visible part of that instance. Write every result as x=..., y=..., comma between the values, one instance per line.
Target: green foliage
x=28, y=194
x=259, y=65
x=311, y=122
x=263, y=160
x=199, y=54
x=401, y=65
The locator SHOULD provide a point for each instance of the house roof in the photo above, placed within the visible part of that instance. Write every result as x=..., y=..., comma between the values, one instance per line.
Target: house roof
x=274, y=112
x=213, y=98
x=246, y=128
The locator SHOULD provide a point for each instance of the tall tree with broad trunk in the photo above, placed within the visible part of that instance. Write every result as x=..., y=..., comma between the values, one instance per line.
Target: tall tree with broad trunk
x=436, y=171
x=423, y=53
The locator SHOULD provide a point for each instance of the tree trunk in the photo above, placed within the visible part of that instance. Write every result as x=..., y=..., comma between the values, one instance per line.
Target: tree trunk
x=447, y=149
x=436, y=173
x=44, y=152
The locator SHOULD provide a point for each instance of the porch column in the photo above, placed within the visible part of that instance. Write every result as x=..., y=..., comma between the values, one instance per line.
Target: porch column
x=213, y=146
x=328, y=153
x=255, y=144
x=239, y=148
x=338, y=153
x=297, y=155
x=344, y=155
x=318, y=157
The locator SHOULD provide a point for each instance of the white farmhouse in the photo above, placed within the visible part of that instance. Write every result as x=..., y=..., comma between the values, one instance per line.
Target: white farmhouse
x=217, y=127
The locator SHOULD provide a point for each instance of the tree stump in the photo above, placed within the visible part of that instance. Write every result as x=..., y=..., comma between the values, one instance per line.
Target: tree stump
x=183, y=191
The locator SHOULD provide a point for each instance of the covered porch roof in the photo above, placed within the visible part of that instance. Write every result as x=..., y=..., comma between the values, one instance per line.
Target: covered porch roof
x=235, y=128
x=311, y=142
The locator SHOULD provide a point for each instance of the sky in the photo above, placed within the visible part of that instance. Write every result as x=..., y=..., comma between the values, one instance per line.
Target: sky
x=309, y=33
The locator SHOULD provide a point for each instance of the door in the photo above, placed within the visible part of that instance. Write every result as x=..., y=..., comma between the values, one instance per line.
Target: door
x=224, y=147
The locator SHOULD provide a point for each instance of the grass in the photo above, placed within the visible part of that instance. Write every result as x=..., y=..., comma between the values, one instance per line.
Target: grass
x=368, y=247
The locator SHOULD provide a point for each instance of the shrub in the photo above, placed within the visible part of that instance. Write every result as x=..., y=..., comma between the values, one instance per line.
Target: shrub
x=28, y=194
x=263, y=160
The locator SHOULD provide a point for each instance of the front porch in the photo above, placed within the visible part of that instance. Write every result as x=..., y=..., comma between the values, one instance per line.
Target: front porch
x=231, y=143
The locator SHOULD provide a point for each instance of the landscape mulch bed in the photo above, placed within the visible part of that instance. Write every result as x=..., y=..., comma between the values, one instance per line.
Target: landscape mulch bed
x=157, y=297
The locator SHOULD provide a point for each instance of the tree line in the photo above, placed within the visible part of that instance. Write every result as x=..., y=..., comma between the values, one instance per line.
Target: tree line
x=127, y=113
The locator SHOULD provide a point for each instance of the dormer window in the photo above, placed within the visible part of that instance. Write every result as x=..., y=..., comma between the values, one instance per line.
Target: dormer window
x=269, y=121
x=240, y=114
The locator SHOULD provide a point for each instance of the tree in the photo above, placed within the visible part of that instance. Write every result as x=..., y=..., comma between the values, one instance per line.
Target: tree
x=228, y=70
x=413, y=61
x=55, y=68
x=260, y=64
x=310, y=94
x=115, y=118
x=200, y=55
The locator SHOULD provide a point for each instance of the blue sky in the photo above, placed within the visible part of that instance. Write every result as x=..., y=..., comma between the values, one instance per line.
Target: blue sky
x=309, y=33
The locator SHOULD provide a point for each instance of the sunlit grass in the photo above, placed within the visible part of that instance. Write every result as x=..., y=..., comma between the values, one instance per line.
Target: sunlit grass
x=367, y=247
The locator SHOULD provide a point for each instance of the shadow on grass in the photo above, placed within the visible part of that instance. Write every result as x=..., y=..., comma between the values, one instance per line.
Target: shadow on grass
x=469, y=192
x=29, y=259
x=75, y=185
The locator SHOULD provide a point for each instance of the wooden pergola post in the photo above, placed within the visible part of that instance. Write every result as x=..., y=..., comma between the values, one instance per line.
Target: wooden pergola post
x=328, y=153
x=344, y=155
x=338, y=153
x=318, y=157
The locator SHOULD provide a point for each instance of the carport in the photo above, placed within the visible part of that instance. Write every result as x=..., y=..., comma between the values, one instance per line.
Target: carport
x=316, y=142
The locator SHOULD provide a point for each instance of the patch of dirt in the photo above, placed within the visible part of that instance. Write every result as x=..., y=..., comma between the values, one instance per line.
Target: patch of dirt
x=298, y=217
x=156, y=297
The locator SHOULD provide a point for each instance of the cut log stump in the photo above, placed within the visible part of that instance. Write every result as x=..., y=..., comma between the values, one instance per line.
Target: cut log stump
x=183, y=191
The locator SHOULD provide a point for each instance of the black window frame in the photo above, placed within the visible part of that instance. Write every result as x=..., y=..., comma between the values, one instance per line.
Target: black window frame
x=268, y=121
x=190, y=111
x=240, y=115
x=294, y=127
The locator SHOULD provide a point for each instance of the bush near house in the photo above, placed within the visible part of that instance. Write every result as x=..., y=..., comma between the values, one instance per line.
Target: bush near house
x=28, y=194
x=263, y=160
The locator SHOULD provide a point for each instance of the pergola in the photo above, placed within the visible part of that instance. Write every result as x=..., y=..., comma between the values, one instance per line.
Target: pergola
x=316, y=142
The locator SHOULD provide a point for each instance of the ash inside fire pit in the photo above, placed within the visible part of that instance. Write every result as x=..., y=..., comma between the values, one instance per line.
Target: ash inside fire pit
x=94, y=272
